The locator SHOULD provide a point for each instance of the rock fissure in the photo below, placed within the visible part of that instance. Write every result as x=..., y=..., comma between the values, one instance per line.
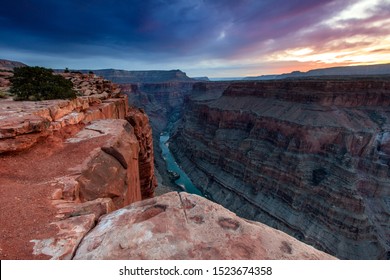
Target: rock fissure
x=183, y=207
x=99, y=131
x=76, y=247
x=117, y=155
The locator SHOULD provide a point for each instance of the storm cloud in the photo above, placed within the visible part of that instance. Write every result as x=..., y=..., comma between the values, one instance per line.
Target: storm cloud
x=160, y=33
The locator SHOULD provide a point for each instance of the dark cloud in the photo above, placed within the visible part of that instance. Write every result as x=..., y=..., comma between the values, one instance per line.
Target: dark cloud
x=163, y=26
x=163, y=30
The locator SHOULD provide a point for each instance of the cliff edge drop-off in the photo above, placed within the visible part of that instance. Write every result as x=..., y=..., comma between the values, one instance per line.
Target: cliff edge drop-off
x=77, y=181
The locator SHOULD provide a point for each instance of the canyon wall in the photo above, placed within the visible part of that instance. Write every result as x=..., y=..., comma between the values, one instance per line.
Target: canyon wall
x=161, y=94
x=308, y=157
x=73, y=171
x=163, y=102
x=150, y=76
x=332, y=72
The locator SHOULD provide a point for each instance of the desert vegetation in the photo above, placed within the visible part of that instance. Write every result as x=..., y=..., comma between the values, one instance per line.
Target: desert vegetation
x=39, y=83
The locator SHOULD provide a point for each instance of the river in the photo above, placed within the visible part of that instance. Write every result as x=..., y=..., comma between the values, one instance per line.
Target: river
x=184, y=182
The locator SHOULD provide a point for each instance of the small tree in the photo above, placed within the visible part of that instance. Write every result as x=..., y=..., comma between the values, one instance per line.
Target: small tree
x=38, y=83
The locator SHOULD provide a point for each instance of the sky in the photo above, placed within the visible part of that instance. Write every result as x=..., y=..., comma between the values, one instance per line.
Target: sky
x=214, y=38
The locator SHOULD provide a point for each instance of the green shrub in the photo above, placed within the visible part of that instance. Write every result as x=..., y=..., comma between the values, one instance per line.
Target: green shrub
x=2, y=94
x=38, y=83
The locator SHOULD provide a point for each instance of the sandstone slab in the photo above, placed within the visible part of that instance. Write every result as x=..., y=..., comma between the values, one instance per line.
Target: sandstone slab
x=185, y=226
x=63, y=245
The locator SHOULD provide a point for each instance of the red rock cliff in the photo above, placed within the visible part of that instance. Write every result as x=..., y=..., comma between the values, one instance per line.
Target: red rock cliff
x=143, y=131
x=86, y=157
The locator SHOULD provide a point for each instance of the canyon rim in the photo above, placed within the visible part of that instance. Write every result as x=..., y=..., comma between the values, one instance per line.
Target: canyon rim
x=70, y=168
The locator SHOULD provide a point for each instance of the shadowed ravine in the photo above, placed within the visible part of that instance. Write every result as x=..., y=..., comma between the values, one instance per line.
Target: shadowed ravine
x=183, y=181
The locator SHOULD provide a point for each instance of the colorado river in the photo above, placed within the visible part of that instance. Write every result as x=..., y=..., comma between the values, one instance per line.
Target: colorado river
x=172, y=166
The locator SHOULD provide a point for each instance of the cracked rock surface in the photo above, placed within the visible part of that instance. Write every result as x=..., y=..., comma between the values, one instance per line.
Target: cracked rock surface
x=186, y=226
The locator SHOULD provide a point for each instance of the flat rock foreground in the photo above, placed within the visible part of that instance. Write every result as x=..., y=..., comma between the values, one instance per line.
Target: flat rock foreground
x=187, y=226
x=77, y=182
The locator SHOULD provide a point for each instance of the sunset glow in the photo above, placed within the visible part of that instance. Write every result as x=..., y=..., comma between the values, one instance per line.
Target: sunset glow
x=214, y=38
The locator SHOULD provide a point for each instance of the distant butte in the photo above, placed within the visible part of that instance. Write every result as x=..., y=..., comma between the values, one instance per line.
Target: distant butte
x=334, y=72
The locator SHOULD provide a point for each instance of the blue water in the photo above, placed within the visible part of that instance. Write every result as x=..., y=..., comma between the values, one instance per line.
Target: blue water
x=172, y=165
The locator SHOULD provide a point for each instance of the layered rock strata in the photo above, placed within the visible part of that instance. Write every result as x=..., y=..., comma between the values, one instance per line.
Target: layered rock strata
x=309, y=157
x=150, y=76
x=107, y=179
x=23, y=123
x=143, y=132
x=161, y=101
x=184, y=226
x=164, y=104
x=334, y=72
x=92, y=154
x=9, y=65
x=91, y=84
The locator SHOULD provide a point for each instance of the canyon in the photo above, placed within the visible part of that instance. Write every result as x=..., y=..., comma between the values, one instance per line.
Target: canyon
x=165, y=104
x=306, y=156
x=77, y=181
x=309, y=157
